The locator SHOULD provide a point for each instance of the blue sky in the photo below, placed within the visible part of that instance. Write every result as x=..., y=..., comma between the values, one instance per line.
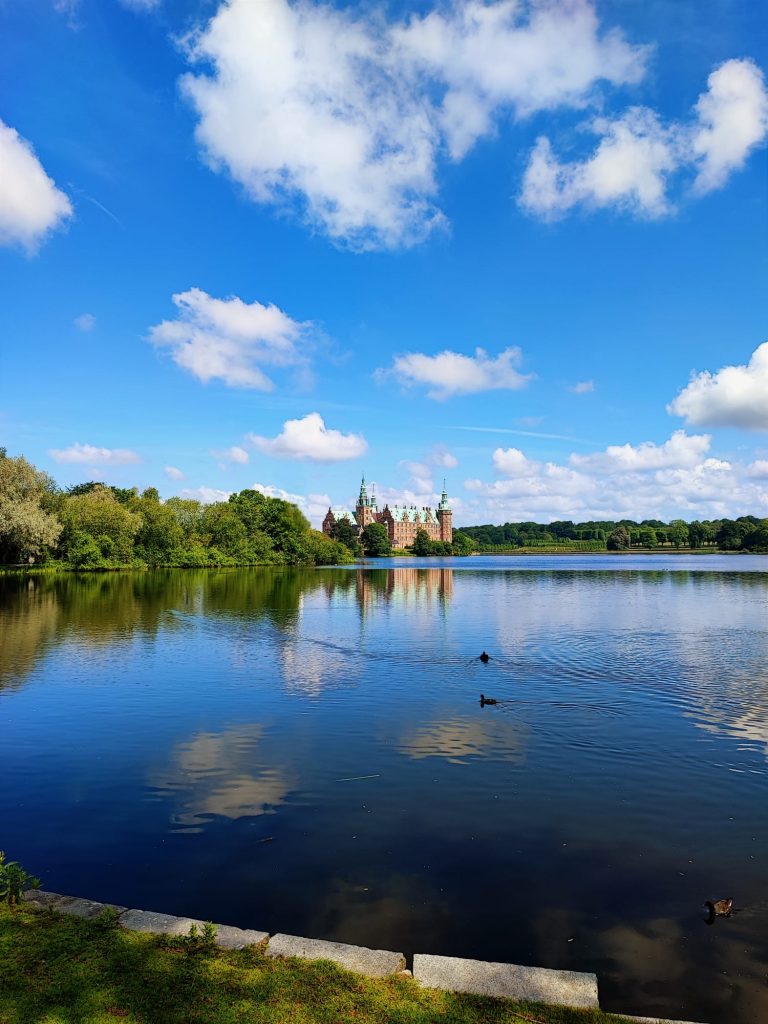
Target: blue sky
x=521, y=246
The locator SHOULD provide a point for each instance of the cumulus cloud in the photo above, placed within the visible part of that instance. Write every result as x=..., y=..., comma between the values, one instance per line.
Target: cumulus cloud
x=205, y=495
x=229, y=340
x=234, y=454
x=511, y=462
x=31, y=206
x=173, y=473
x=85, y=322
x=638, y=154
x=758, y=470
x=680, y=451
x=94, y=456
x=670, y=480
x=440, y=456
x=309, y=439
x=582, y=387
x=140, y=5
x=735, y=396
x=732, y=120
x=349, y=113
x=451, y=373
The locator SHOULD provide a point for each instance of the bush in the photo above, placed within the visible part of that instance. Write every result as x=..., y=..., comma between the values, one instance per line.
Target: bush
x=14, y=880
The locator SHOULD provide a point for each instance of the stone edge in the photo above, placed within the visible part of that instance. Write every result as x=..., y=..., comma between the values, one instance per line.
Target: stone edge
x=230, y=937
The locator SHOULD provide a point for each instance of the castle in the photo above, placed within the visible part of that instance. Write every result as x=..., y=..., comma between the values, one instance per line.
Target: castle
x=401, y=522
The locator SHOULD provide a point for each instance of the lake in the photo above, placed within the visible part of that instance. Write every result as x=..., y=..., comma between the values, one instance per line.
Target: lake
x=305, y=751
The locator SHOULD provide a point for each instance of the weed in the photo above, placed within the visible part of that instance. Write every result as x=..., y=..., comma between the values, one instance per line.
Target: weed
x=14, y=880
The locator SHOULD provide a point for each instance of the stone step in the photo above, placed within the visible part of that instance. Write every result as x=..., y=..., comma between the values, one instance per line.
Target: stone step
x=376, y=963
x=72, y=905
x=506, y=981
x=227, y=936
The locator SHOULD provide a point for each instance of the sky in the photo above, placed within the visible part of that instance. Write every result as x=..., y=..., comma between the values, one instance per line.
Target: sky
x=519, y=246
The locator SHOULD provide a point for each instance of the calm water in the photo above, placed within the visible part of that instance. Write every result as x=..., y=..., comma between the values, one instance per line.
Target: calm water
x=193, y=742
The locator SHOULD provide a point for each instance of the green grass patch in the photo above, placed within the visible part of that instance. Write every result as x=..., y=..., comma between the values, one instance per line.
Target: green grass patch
x=60, y=970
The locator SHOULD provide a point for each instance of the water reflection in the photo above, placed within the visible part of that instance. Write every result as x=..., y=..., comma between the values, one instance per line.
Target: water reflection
x=177, y=719
x=459, y=739
x=223, y=775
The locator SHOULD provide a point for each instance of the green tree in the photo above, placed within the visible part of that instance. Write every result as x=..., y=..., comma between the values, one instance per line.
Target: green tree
x=160, y=532
x=757, y=540
x=678, y=533
x=422, y=545
x=618, y=539
x=344, y=532
x=27, y=529
x=375, y=541
x=647, y=537
x=98, y=513
x=462, y=544
x=327, y=551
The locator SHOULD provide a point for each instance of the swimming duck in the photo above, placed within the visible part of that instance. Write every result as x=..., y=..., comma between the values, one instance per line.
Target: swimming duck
x=486, y=700
x=485, y=658
x=720, y=908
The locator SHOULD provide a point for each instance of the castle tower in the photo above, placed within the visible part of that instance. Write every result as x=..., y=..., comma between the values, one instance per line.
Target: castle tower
x=365, y=509
x=445, y=517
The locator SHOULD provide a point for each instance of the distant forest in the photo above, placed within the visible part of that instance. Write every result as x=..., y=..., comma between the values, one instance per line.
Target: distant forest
x=747, y=533
x=95, y=526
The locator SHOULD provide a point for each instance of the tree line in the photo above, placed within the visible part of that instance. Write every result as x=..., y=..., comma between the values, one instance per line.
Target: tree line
x=747, y=533
x=373, y=541
x=97, y=526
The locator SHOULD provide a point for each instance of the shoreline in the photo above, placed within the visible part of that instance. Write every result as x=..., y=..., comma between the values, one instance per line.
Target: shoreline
x=559, y=989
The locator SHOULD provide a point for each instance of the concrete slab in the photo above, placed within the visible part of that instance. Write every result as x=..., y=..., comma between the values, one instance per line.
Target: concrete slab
x=508, y=981
x=227, y=936
x=71, y=905
x=87, y=909
x=158, y=924
x=40, y=898
x=652, y=1020
x=376, y=963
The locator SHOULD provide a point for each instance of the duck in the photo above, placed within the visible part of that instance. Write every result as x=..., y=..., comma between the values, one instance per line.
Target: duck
x=485, y=658
x=720, y=908
x=487, y=700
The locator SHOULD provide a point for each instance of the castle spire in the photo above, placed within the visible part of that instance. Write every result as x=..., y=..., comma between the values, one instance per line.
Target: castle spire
x=444, y=497
x=363, y=496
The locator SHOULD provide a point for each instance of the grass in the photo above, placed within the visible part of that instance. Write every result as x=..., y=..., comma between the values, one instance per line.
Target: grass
x=60, y=970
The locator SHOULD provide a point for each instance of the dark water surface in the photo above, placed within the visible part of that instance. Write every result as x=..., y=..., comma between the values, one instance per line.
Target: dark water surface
x=192, y=742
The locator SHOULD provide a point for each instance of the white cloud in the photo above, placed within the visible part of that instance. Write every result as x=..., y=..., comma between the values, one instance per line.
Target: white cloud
x=451, y=373
x=511, y=462
x=94, y=456
x=234, y=454
x=85, y=322
x=309, y=438
x=141, y=5
x=735, y=396
x=638, y=155
x=637, y=482
x=440, y=456
x=628, y=169
x=758, y=470
x=582, y=387
x=732, y=120
x=173, y=473
x=30, y=204
x=228, y=339
x=205, y=495
x=349, y=113
x=680, y=451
